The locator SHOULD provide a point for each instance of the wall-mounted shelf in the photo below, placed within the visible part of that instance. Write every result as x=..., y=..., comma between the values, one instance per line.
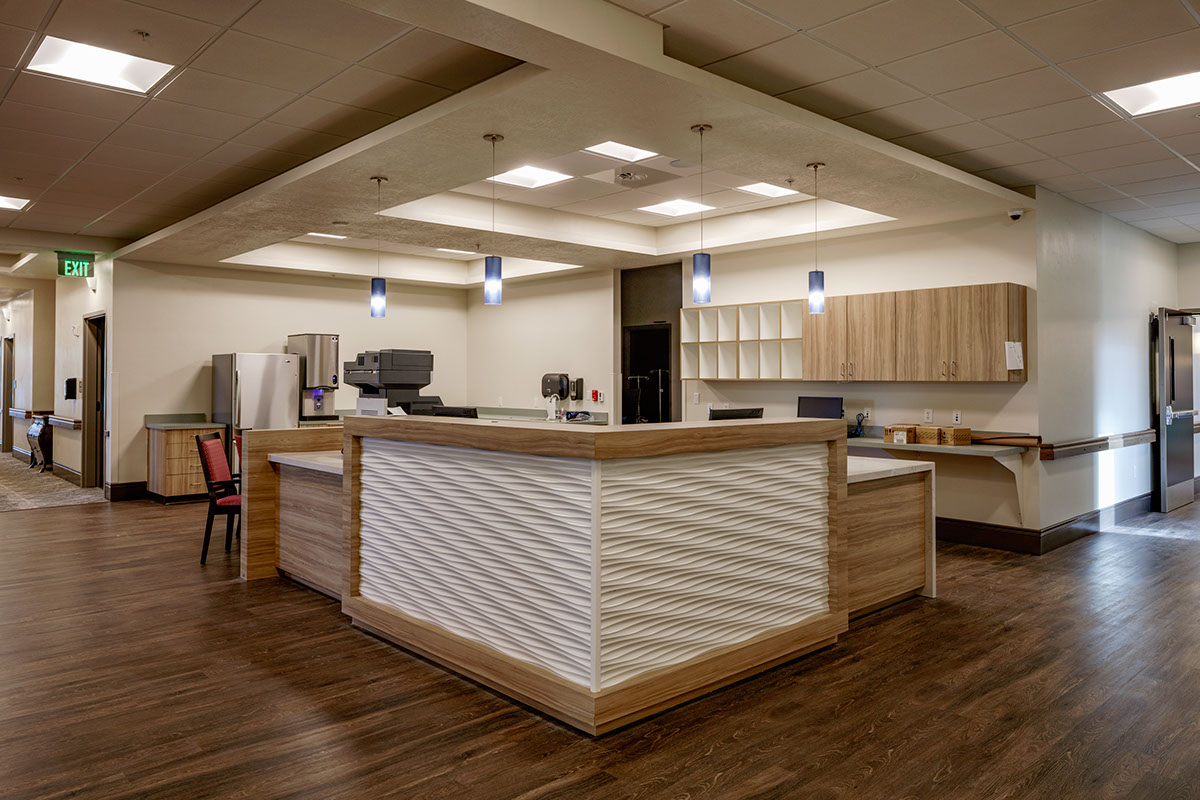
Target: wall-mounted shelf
x=742, y=342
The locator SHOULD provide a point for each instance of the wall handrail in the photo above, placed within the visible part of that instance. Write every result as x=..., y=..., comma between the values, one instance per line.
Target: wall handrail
x=1096, y=444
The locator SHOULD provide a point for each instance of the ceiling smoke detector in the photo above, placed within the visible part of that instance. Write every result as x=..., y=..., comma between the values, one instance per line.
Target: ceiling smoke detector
x=632, y=175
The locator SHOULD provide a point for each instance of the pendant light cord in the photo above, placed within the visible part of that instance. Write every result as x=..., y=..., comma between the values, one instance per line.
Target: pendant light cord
x=702, y=189
x=815, y=166
x=493, y=197
x=379, y=227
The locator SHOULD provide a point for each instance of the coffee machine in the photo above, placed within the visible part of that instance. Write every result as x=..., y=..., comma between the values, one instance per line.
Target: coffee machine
x=318, y=372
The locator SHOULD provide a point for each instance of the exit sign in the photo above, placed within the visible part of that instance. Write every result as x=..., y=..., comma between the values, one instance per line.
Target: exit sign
x=75, y=265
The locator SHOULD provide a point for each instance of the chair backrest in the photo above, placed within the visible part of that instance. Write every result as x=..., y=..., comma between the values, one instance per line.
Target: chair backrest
x=212, y=458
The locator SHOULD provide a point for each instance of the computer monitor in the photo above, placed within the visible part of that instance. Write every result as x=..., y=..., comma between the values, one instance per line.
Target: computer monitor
x=820, y=407
x=735, y=413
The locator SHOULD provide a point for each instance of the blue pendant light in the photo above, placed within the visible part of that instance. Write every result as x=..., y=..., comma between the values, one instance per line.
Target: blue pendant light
x=493, y=282
x=379, y=283
x=701, y=262
x=378, y=297
x=816, y=278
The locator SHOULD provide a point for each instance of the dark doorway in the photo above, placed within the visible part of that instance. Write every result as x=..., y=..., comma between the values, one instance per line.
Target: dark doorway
x=93, y=411
x=8, y=376
x=646, y=367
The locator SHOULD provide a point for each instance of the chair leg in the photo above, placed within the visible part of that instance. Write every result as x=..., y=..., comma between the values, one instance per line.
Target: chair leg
x=239, y=524
x=207, y=534
x=228, y=532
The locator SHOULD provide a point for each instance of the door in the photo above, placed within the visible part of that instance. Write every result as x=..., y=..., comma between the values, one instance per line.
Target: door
x=93, y=410
x=824, y=343
x=266, y=391
x=646, y=365
x=9, y=377
x=1171, y=339
x=979, y=319
x=871, y=337
x=923, y=335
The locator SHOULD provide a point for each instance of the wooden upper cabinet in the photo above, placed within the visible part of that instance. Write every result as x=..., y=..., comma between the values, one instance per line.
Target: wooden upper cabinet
x=958, y=333
x=922, y=335
x=871, y=337
x=824, y=344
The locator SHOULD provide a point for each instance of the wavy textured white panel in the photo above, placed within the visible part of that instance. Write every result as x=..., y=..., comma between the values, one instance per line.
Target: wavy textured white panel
x=703, y=550
x=495, y=547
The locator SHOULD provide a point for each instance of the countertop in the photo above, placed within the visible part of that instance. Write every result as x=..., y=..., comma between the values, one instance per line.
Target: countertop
x=181, y=426
x=863, y=468
x=329, y=461
x=986, y=450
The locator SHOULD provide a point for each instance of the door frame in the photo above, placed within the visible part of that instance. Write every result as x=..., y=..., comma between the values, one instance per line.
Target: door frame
x=672, y=384
x=93, y=403
x=8, y=373
x=1162, y=499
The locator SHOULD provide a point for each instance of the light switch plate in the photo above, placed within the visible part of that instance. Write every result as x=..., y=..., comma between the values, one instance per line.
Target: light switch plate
x=929, y=415
x=695, y=398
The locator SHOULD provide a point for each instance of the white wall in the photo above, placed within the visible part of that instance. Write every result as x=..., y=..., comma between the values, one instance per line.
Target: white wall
x=73, y=299
x=171, y=320
x=973, y=251
x=30, y=320
x=557, y=324
x=1098, y=281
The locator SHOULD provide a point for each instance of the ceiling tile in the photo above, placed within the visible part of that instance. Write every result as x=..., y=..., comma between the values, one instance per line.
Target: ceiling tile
x=975, y=60
x=183, y=118
x=244, y=155
x=579, y=163
x=786, y=64
x=13, y=42
x=1032, y=172
x=643, y=7
x=439, y=60
x=220, y=93
x=377, y=91
x=112, y=24
x=1177, y=183
x=703, y=31
x=1138, y=63
x=188, y=192
x=98, y=178
x=218, y=12
x=225, y=173
x=1096, y=137
x=1010, y=12
x=1103, y=25
x=14, y=163
x=116, y=230
x=900, y=28
x=160, y=141
x=561, y=194
x=136, y=158
x=968, y=136
x=1188, y=144
x=862, y=91
x=1122, y=204
x=24, y=13
x=50, y=224
x=1000, y=155
x=330, y=27
x=1171, y=198
x=316, y=114
x=1118, y=156
x=1176, y=122
x=810, y=13
x=257, y=60
x=1040, y=87
x=624, y=200
x=1093, y=194
x=51, y=120
x=273, y=136
x=1147, y=171
x=1066, y=116
x=40, y=90
x=18, y=141
x=916, y=116
x=1140, y=214
x=1071, y=182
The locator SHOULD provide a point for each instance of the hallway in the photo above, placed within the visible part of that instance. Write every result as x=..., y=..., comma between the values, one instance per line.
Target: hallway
x=24, y=488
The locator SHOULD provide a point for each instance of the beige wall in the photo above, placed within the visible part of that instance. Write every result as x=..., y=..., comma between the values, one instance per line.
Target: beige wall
x=974, y=251
x=171, y=320
x=1098, y=281
x=73, y=299
x=30, y=320
x=558, y=324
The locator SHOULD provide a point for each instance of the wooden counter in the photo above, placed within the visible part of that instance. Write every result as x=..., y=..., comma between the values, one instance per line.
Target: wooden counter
x=310, y=547
x=597, y=574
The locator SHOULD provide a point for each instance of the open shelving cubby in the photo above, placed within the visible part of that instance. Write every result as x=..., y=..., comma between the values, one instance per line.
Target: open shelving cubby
x=708, y=361
x=768, y=359
x=747, y=323
x=708, y=324
x=791, y=365
x=689, y=325
x=791, y=319
x=727, y=360
x=748, y=360
x=768, y=321
x=689, y=361
x=727, y=324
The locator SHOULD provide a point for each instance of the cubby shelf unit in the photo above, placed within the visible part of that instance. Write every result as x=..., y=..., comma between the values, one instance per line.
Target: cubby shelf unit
x=747, y=342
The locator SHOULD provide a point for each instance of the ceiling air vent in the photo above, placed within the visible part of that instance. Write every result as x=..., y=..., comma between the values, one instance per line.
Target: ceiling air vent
x=633, y=176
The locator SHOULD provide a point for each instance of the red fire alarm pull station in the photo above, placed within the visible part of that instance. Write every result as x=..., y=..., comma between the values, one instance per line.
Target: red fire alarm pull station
x=595, y=395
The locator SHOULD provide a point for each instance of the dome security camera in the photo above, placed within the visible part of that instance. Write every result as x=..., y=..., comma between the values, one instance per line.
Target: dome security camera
x=1016, y=213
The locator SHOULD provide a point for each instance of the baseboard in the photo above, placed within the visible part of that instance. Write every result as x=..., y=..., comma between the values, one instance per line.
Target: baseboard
x=163, y=499
x=118, y=492
x=67, y=474
x=1040, y=542
x=20, y=453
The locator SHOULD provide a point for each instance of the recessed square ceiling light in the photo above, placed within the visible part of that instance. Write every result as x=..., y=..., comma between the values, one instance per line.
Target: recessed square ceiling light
x=325, y=235
x=12, y=203
x=621, y=152
x=83, y=62
x=767, y=190
x=459, y=252
x=1146, y=98
x=676, y=208
x=530, y=177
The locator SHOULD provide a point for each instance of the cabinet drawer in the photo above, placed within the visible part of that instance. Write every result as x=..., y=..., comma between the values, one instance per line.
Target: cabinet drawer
x=182, y=466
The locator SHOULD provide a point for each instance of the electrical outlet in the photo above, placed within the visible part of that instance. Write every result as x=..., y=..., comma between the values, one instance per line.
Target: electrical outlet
x=957, y=417
x=695, y=398
x=500, y=402
x=599, y=397
x=929, y=415
x=726, y=405
x=866, y=413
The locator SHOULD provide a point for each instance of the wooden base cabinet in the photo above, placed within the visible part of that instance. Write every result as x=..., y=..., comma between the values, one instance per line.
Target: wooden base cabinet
x=174, y=471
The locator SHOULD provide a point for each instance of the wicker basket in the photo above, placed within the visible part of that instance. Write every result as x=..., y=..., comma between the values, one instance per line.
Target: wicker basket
x=928, y=434
x=909, y=433
x=955, y=436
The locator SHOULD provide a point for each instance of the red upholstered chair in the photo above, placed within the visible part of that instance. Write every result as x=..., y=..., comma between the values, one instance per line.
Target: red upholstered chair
x=224, y=496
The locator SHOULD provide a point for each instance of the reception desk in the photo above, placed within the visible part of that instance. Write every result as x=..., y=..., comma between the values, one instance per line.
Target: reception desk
x=597, y=574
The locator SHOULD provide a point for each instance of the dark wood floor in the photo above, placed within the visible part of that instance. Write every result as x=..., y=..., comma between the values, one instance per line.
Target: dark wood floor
x=128, y=671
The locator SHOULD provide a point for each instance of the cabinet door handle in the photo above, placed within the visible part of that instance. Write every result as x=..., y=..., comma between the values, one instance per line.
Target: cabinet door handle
x=851, y=370
x=943, y=369
x=843, y=372
x=954, y=369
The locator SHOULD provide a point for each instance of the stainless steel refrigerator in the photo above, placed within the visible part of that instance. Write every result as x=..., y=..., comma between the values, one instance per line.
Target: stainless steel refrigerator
x=255, y=391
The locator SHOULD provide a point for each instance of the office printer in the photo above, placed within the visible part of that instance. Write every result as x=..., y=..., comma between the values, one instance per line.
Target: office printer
x=390, y=378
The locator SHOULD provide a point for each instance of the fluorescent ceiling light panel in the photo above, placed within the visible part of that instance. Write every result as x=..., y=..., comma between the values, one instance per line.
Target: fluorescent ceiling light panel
x=530, y=177
x=460, y=252
x=325, y=235
x=767, y=190
x=1146, y=98
x=12, y=203
x=621, y=152
x=676, y=208
x=83, y=62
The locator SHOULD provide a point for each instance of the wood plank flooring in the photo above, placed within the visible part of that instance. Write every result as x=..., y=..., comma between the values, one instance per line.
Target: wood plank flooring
x=129, y=671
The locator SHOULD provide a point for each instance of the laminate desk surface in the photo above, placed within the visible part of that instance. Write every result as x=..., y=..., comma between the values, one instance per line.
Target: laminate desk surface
x=865, y=468
x=329, y=461
x=985, y=450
